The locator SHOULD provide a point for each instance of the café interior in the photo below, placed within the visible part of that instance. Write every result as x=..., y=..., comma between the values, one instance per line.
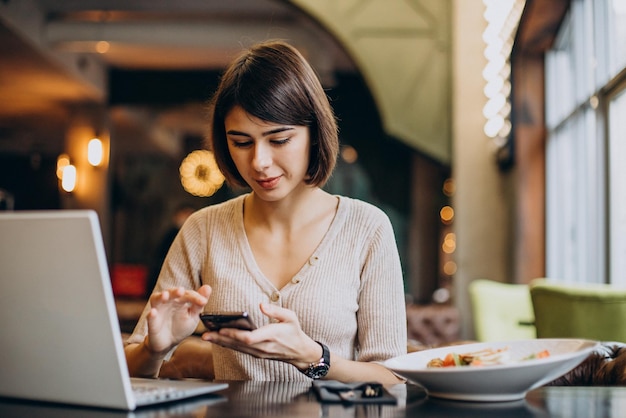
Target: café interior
x=490, y=132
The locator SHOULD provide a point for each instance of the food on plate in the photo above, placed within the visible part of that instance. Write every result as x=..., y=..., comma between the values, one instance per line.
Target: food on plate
x=486, y=357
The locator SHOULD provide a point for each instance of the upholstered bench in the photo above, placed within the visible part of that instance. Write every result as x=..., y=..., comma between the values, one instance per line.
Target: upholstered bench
x=432, y=325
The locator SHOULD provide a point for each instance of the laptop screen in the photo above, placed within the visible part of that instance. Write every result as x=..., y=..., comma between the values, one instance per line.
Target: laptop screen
x=60, y=337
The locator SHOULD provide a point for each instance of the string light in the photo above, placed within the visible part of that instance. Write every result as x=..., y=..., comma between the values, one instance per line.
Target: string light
x=447, y=214
x=502, y=18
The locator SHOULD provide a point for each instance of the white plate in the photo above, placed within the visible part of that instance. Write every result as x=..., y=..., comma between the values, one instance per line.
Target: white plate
x=505, y=382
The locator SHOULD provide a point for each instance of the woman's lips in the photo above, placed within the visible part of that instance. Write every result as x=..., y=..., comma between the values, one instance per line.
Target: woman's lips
x=268, y=183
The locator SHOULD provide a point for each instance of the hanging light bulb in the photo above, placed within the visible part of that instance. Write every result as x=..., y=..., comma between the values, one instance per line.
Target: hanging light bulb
x=199, y=173
x=68, y=181
x=62, y=161
x=95, y=152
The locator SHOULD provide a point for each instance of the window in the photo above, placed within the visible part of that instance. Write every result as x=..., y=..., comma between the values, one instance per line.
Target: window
x=586, y=118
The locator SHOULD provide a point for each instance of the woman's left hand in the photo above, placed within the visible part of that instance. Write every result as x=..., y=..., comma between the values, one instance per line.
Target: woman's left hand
x=282, y=339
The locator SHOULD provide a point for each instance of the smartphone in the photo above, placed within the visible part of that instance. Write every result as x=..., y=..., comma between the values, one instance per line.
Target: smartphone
x=215, y=321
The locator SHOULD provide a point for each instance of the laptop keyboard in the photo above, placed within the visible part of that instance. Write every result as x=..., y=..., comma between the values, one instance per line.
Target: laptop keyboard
x=153, y=391
x=146, y=392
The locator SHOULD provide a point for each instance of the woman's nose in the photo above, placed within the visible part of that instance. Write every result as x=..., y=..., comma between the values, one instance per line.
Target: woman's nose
x=262, y=157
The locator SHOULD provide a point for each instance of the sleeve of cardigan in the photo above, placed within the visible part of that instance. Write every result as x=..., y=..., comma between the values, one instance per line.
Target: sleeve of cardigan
x=382, y=312
x=182, y=266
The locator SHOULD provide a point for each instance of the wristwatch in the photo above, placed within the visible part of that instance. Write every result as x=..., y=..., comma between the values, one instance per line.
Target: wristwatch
x=319, y=369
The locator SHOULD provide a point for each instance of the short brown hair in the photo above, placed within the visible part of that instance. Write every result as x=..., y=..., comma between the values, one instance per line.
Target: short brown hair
x=273, y=82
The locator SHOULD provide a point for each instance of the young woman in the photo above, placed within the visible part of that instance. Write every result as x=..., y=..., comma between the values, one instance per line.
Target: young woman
x=319, y=274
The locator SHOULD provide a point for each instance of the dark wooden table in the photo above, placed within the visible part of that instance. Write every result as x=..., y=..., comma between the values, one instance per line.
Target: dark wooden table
x=289, y=400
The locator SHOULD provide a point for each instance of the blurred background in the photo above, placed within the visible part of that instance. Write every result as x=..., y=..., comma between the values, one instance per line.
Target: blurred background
x=491, y=132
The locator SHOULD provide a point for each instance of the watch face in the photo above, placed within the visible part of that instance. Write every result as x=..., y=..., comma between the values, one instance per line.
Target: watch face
x=318, y=371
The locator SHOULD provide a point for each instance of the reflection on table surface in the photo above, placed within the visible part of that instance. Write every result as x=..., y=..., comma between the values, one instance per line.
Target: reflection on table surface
x=284, y=399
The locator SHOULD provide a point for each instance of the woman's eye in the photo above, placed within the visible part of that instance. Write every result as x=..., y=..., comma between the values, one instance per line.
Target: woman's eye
x=280, y=141
x=242, y=144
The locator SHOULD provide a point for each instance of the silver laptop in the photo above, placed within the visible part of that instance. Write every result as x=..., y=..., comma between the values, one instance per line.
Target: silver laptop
x=60, y=339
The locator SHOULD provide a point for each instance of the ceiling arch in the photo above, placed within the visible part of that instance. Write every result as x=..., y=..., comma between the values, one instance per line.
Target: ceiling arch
x=403, y=50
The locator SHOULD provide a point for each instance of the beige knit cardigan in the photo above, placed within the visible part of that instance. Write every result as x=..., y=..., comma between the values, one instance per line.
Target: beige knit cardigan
x=349, y=295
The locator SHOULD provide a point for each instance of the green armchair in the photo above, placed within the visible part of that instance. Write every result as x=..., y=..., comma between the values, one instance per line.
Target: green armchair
x=501, y=311
x=575, y=310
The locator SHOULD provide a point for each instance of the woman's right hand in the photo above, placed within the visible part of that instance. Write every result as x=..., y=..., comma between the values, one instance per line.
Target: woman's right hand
x=173, y=316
